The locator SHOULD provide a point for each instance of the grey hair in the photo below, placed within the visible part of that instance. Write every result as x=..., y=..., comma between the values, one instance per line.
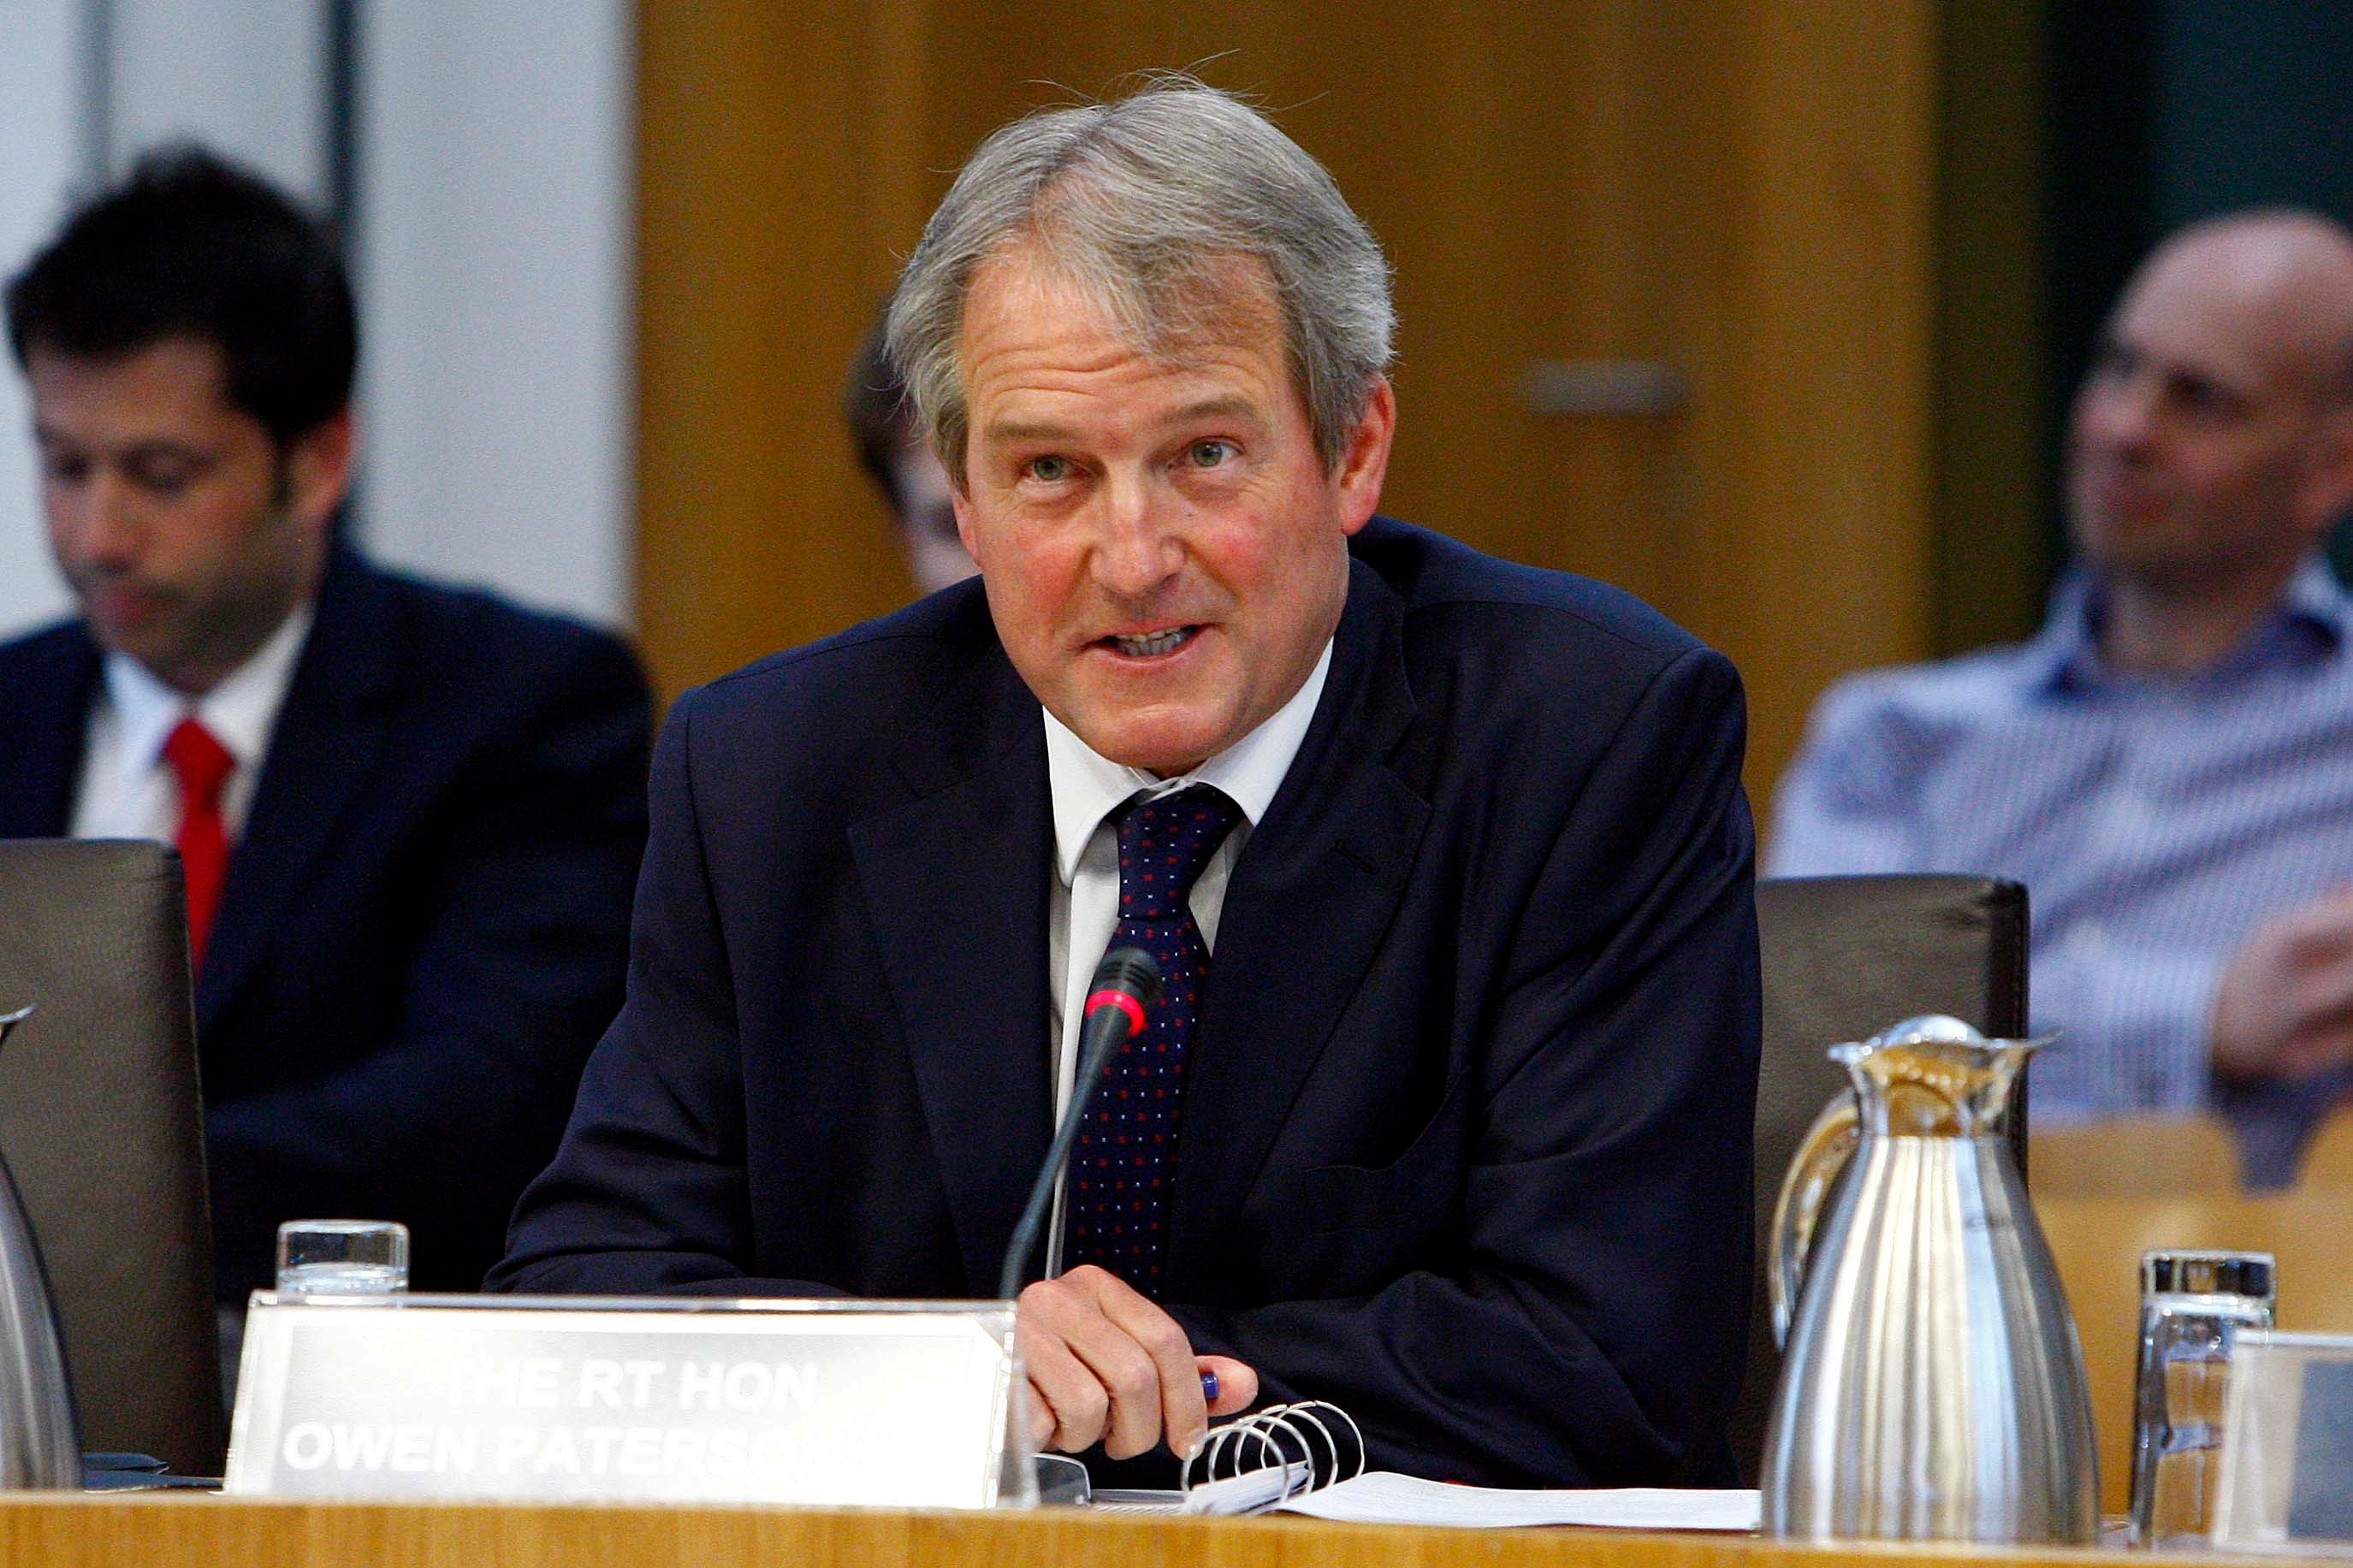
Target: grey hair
x=1145, y=204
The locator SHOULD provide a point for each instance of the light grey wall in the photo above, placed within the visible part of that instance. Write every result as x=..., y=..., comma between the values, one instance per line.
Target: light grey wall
x=495, y=265
x=42, y=147
x=247, y=77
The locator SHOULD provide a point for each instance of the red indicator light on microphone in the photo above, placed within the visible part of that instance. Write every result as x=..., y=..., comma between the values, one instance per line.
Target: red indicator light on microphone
x=1124, y=1003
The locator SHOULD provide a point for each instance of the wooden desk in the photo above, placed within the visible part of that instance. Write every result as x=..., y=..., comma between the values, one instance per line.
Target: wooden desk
x=182, y=1531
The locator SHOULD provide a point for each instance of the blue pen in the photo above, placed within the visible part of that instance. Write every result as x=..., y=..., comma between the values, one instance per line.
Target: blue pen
x=1209, y=1386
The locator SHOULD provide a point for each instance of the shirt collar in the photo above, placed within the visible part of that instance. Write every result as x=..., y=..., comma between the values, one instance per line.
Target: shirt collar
x=2315, y=595
x=2314, y=611
x=1087, y=786
x=239, y=711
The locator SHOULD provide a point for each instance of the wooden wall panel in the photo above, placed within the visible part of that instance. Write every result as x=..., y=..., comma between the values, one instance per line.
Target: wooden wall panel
x=760, y=255
x=1811, y=452
x=1744, y=190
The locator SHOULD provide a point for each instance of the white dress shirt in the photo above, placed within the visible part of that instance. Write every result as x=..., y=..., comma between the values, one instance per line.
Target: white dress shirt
x=127, y=789
x=1082, y=904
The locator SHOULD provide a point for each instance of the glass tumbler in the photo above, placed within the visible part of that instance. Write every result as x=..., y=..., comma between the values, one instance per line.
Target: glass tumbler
x=2192, y=1303
x=342, y=1258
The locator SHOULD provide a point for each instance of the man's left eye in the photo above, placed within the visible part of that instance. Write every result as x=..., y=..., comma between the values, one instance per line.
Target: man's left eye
x=164, y=476
x=1208, y=454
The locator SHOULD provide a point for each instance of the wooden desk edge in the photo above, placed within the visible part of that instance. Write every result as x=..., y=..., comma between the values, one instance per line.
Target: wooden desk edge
x=183, y=1530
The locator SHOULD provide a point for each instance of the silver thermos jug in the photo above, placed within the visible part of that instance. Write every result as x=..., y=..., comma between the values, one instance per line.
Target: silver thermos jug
x=1932, y=1387
x=41, y=1439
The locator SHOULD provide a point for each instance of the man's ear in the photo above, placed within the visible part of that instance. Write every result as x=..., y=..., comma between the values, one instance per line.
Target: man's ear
x=1363, y=465
x=318, y=465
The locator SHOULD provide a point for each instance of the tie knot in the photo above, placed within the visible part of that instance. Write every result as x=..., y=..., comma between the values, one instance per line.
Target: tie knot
x=199, y=762
x=1164, y=844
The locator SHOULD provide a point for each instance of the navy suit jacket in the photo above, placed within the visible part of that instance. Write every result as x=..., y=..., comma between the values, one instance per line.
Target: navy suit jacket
x=425, y=923
x=1465, y=1137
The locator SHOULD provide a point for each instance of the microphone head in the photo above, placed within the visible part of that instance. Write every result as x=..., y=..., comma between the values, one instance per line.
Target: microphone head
x=1131, y=972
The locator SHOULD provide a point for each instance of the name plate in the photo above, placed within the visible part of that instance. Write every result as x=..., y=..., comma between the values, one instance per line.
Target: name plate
x=896, y=1404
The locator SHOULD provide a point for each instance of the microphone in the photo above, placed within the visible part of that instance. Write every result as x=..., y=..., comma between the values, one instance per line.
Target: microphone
x=1127, y=983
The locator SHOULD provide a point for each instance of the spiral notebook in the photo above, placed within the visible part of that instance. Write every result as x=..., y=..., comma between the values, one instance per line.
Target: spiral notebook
x=1309, y=1459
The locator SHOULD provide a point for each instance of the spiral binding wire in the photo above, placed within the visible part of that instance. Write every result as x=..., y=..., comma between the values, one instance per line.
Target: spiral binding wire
x=1278, y=1436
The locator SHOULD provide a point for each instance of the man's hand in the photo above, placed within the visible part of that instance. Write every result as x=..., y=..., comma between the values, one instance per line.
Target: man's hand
x=2285, y=1006
x=1107, y=1365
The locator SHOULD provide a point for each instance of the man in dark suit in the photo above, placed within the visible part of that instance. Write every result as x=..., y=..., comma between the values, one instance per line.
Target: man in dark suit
x=410, y=816
x=1445, y=1115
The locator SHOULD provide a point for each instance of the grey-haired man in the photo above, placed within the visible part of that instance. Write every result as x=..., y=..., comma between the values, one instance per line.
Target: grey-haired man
x=1446, y=1115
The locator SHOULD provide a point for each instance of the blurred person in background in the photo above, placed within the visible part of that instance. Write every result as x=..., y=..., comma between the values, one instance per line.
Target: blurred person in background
x=410, y=815
x=892, y=450
x=2169, y=765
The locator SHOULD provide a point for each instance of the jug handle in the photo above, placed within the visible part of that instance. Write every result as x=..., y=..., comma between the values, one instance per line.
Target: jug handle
x=1813, y=1174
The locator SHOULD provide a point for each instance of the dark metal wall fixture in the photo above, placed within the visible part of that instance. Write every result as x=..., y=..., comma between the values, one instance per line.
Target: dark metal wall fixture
x=1636, y=387
x=97, y=88
x=342, y=106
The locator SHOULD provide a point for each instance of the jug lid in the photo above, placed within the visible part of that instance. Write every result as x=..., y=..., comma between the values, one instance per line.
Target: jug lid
x=1933, y=1076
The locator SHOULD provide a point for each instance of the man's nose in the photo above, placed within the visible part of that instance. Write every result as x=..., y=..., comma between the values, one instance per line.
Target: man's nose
x=109, y=524
x=1140, y=547
x=2119, y=413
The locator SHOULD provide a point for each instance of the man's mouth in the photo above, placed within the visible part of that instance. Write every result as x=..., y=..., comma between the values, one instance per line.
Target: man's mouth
x=2125, y=499
x=121, y=605
x=1150, y=645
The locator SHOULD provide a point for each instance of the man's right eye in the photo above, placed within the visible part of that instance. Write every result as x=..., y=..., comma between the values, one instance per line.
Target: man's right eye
x=2114, y=361
x=1048, y=470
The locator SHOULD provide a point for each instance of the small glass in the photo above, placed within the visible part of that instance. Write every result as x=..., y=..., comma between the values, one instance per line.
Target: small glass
x=342, y=1258
x=2191, y=1304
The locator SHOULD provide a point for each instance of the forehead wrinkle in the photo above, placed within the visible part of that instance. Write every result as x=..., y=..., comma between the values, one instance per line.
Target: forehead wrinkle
x=1160, y=312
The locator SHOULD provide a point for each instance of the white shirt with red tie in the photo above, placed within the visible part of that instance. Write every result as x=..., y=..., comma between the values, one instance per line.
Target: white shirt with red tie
x=127, y=790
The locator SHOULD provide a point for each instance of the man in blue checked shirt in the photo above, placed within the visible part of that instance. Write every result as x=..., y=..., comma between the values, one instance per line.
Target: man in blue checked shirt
x=2169, y=765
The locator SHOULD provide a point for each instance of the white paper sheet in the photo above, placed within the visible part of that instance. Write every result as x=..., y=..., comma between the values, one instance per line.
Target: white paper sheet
x=1383, y=1497
x=1252, y=1491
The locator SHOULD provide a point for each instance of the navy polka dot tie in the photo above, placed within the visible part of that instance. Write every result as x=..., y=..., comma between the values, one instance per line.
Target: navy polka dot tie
x=1126, y=1163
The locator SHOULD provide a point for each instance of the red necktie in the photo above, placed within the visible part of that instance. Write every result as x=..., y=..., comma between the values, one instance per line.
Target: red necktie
x=201, y=764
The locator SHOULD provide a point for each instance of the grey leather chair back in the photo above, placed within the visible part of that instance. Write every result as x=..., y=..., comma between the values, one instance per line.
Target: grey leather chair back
x=101, y=1125
x=1844, y=957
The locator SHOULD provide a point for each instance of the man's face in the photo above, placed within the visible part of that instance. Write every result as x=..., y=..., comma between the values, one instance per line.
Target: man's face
x=184, y=531
x=2202, y=448
x=1165, y=553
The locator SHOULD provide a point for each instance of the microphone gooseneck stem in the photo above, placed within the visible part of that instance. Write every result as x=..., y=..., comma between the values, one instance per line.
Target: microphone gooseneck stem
x=1132, y=974
x=1106, y=1028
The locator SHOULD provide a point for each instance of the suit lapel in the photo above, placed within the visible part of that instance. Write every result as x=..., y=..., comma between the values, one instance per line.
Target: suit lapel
x=328, y=739
x=43, y=724
x=1314, y=891
x=955, y=882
